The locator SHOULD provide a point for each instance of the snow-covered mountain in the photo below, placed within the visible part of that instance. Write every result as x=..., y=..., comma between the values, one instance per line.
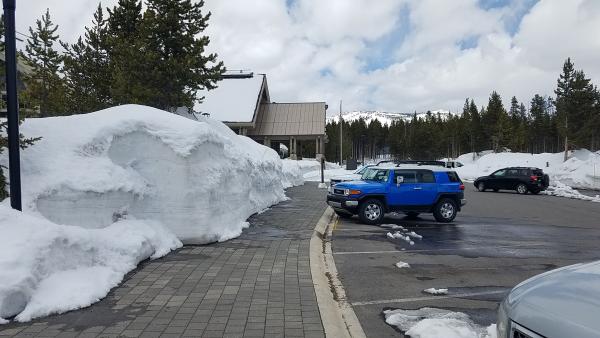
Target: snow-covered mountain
x=385, y=118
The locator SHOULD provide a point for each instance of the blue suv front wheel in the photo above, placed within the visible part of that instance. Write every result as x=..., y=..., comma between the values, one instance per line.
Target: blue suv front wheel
x=371, y=211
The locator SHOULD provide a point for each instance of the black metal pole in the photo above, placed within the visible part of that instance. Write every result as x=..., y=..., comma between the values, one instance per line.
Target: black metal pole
x=12, y=106
x=322, y=169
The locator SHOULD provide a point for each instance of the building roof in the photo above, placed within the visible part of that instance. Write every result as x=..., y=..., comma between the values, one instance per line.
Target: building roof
x=277, y=119
x=235, y=100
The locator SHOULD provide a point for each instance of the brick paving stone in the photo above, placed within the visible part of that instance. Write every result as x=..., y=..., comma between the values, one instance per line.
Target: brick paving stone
x=257, y=285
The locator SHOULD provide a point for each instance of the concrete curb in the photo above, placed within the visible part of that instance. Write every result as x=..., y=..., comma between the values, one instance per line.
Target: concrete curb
x=337, y=315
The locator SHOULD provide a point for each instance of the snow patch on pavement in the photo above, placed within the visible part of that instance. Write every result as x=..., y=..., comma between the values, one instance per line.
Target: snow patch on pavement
x=562, y=190
x=437, y=323
x=434, y=291
x=402, y=265
x=393, y=227
x=406, y=238
x=414, y=235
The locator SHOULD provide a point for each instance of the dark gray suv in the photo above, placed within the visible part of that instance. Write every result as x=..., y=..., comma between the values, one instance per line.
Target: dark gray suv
x=520, y=179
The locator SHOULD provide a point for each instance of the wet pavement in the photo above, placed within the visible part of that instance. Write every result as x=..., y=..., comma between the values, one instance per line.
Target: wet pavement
x=499, y=240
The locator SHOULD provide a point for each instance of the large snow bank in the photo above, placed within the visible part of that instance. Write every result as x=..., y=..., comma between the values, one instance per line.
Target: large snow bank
x=104, y=190
x=437, y=323
x=47, y=268
x=89, y=170
x=581, y=170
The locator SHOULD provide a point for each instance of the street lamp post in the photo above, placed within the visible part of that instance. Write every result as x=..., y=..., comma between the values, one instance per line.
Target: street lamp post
x=12, y=106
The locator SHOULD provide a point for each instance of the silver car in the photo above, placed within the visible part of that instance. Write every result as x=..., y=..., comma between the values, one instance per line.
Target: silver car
x=560, y=303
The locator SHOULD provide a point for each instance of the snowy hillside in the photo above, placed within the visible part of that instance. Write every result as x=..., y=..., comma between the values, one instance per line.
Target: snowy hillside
x=385, y=118
x=106, y=190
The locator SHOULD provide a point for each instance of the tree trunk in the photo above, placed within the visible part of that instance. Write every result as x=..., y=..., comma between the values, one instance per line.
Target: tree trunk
x=566, y=148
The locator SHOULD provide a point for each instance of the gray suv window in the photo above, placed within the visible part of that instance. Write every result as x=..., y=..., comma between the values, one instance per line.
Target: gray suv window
x=512, y=172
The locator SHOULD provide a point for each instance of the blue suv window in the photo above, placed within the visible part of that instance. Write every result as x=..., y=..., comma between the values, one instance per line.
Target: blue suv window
x=410, y=176
x=453, y=177
x=425, y=176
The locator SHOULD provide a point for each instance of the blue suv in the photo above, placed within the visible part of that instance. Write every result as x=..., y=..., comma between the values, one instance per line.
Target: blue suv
x=412, y=190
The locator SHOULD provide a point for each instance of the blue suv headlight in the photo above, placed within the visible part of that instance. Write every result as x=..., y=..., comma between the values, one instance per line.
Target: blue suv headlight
x=348, y=192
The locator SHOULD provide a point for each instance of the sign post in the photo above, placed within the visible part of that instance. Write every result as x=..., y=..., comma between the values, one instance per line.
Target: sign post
x=322, y=184
x=12, y=106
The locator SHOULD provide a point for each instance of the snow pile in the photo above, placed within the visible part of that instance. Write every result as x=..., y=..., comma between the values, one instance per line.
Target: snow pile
x=292, y=173
x=105, y=190
x=47, y=268
x=414, y=235
x=393, y=227
x=311, y=169
x=399, y=235
x=90, y=170
x=562, y=190
x=401, y=265
x=405, y=237
x=434, y=291
x=437, y=323
x=581, y=170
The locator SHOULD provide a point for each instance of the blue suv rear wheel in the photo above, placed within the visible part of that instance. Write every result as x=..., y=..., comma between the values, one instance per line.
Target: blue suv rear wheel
x=445, y=210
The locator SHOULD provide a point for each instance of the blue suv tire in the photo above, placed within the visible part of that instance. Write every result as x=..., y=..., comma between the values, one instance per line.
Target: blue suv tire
x=445, y=210
x=371, y=211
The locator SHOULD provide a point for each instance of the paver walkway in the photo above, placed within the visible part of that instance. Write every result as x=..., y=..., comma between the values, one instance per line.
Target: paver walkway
x=256, y=285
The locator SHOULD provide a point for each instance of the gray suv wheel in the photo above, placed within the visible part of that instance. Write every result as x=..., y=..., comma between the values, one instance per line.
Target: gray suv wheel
x=521, y=189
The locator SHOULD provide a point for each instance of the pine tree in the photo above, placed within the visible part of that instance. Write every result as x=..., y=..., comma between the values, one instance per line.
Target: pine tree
x=564, y=105
x=538, y=122
x=131, y=62
x=576, y=106
x=585, y=101
x=44, y=87
x=517, y=127
x=175, y=30
x=476, y=128
x=495, y=122
x=86, y=68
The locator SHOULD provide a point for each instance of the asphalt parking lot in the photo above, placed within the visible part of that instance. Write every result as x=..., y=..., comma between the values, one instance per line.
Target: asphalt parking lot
x=497, y=241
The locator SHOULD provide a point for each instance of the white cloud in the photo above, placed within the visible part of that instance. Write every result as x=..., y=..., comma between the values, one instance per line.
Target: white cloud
x=321, y=50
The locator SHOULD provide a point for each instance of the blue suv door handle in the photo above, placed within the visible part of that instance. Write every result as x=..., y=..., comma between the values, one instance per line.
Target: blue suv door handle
x=417, y=188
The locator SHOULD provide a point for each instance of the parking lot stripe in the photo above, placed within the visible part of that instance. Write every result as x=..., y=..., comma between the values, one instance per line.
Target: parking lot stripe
x=365, y=252
x=419, y=299
x=426, y=250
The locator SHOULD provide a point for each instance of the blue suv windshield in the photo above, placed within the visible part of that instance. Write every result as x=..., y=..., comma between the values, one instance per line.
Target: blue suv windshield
x=380, y=175
x=362, y=170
